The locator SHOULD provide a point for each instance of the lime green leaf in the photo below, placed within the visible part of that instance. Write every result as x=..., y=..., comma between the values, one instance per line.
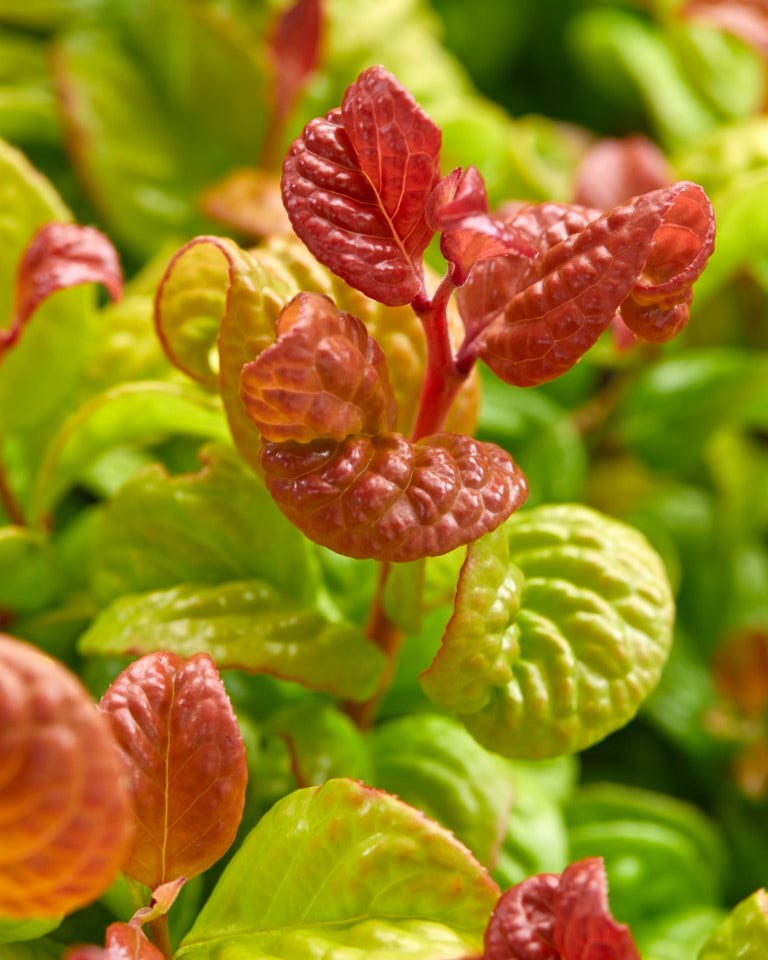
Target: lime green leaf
x=27, y=105
x=432, y=763
x=246, y=624
x=207, y=527
x=678, y=936
x=661, y=855
x=27, y=571
x=13, y=931
x=562, y=624
x=743, y=935
x=133, y=413
x=345, y=869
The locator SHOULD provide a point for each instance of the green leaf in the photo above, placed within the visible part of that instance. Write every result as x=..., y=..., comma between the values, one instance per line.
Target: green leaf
x=133, y=413
x=743, y=935
x=432, y=763
x=207, y=527
x=344, y=869
x=561, y=626
x=246, y=624
x=27, y=105
x=13, y=931
x=679, y=936
x=661, y=855
x=43, y=949
x=28, y=577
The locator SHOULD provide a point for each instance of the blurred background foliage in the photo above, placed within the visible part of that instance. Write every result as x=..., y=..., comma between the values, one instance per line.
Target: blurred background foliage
x=155, y=120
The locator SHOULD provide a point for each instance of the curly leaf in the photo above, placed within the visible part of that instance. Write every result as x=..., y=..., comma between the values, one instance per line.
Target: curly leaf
x=307, y=882
x=64, y=805
x=743, y=934
x=60, y=255
x=246, y=624
x=565, y=917
x=355, y=185
x=186, y=759
x=561, y=626
x=644, y=255
x=390, y=499
x=324, y=377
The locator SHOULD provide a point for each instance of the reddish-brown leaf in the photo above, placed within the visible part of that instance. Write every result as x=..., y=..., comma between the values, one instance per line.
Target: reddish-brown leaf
x=651, y=248
x=65, y=817
x=388, y=498
x=559, y=917
x=295, y=51
x=60, y=255
x=124, y=941
x=186, y=760
x=612, y=171
x=746, y=19
x=356, y=183
x=325, y=377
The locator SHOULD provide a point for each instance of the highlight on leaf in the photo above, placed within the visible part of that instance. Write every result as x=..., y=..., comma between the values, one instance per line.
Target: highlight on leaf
x=65, y=811
x=60, y=255
x=185, y=757
x=559, y=917
x=356, y=183
x=642, y=257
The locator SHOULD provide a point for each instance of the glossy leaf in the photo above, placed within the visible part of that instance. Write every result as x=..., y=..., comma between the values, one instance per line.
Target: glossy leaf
x=642, y=256
x=186, y=760
x=246, y=624
x=307, y=882
x=743, y=934
x=295, y=51
x=566, y=917
x=432, y=763
x=612, y=171
x=212, y=526
x=60, y=255
x=123, y=941
x=561, y=626
x=64, y=805
x=356, y=183
x=324, y=377
x=390, y=499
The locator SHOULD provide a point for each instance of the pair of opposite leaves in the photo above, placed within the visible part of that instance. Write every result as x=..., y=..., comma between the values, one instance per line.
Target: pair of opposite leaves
x=537, y=288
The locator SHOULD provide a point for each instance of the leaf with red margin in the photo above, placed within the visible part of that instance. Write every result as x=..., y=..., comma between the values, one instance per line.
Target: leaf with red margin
x=65, y=813
x=650, y=249
x=559, y=917
x=612, y=171
x=295, y=51
x=746, y=19
x=458, y=208
x=60, y=255
x=356, y=183
x=124, y=941
x=386, y=498
x=324, y=377
x=186, y=759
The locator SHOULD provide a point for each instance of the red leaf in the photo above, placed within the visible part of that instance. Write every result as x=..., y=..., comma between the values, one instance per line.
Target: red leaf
x=612, y=171
x=186, y=759
x=356, y=183
x=60, y=255
x=390, y=499
x=651, y=248
x=124, y=941
x=746, y=19
x=565, y=917
x=324, y=377
x=65, y=816
x=295, y=51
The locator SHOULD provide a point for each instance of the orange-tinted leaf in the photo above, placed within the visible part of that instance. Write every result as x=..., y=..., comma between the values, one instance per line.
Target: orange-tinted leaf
x=60, y=255
x=740, y=671
x=650, y=249
x=559, y=917
x=388, y=498
x=248, y=201
x=295, y=50
x=186, y=760
x=324, y=377
x=356, y=184
x=124, y=941
x=746, y=19
x=612, y=171
x=65, y=817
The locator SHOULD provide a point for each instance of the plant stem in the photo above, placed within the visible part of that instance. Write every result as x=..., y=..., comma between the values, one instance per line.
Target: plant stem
x=442, y=379
x=160, y=935
x=8, y=500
